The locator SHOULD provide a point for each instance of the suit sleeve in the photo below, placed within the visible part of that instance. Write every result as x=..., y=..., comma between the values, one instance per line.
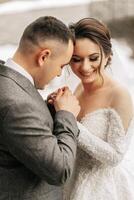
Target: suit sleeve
x=50, y=154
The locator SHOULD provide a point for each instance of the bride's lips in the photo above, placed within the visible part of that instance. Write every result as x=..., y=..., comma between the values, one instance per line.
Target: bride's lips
x=86, y=74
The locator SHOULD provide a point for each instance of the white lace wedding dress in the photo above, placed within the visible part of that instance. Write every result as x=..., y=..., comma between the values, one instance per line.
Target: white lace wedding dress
x=104, y=168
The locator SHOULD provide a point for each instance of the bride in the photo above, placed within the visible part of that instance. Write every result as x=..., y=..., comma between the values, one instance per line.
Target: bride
x=103, y=169
x=106, y=120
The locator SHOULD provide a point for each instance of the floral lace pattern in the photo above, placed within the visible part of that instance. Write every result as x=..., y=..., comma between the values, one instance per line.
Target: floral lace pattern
x=99, y=172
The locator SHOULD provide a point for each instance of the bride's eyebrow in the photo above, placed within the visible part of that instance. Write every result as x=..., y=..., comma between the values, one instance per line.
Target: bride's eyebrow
x=93, y=54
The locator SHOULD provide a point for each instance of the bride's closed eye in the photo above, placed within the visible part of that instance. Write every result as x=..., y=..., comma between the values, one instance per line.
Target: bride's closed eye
x=93, y=59
x=73, y=59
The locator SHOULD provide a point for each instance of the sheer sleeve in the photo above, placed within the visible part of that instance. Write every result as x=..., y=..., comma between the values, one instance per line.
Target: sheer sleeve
x=111, y=151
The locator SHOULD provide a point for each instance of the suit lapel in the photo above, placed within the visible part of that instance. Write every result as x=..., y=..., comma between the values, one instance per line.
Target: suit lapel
x=20, y=80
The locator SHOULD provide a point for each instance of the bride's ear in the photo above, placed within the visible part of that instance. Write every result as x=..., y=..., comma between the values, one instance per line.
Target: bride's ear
x=43, y=56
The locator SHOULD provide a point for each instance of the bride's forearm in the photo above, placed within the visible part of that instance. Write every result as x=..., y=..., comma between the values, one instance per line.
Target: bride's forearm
x=107, y=152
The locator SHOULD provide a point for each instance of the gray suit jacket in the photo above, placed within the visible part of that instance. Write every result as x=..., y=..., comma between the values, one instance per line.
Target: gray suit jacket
x=37, y=154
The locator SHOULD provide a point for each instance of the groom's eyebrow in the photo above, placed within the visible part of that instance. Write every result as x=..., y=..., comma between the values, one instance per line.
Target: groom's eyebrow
x=67, y=63
x=75, y=55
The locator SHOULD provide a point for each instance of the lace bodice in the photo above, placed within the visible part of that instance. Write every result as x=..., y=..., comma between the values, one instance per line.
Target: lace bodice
x=102, y=136
x=102, y=145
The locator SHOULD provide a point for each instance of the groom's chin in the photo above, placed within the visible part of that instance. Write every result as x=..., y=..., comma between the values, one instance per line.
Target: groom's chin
x=40, y=87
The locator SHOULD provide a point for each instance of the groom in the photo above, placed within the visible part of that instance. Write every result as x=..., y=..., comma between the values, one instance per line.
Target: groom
x=37, y=154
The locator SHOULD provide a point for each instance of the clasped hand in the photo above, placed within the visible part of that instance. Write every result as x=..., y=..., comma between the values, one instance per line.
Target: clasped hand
x=63, y=99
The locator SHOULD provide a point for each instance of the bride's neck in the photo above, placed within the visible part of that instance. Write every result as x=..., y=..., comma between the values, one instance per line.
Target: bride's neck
x=100, y=83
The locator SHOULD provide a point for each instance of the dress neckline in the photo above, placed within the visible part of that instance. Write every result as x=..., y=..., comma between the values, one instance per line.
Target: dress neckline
x=99, y=110
x=112, y=111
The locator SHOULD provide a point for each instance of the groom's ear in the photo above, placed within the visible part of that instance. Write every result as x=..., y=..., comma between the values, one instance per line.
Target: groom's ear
x=43, y=56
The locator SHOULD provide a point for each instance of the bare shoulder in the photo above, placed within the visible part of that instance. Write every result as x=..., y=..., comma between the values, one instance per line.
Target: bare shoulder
x=122, y=103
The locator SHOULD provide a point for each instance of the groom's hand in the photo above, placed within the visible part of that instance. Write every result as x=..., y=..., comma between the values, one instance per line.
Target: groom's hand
x=65, y=100
x=51, y=97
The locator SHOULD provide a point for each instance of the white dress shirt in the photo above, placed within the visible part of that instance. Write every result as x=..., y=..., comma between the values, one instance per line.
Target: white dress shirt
x=13, y=65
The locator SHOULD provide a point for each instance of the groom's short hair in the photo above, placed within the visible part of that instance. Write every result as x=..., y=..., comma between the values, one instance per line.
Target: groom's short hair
x=42, y=29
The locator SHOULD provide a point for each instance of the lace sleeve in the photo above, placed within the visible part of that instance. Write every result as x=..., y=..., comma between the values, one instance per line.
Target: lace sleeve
x=108, y=152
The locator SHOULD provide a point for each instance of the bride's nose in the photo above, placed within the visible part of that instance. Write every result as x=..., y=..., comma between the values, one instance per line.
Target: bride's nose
x=86, y=66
